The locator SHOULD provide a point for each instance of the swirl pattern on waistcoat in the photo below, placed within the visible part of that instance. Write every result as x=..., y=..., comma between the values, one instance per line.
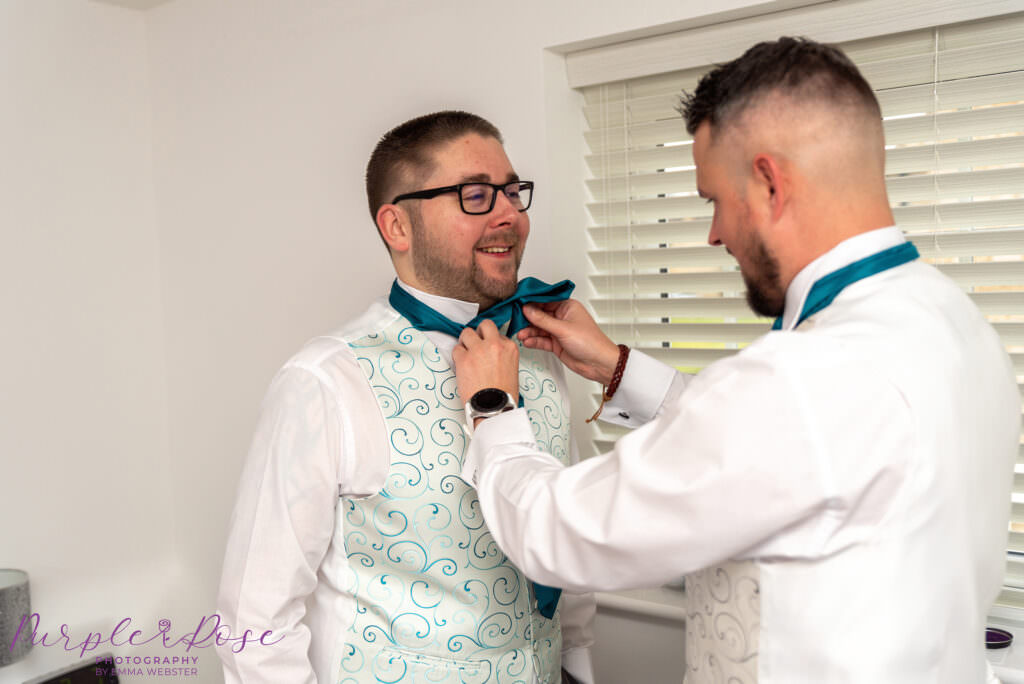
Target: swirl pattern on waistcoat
x=723, y=624
x=436, y=599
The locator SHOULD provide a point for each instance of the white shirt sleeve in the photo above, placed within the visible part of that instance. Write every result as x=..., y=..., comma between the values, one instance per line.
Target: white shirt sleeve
x=303, y=457
x=647, y=386
x=737, y=466
x=280, y=529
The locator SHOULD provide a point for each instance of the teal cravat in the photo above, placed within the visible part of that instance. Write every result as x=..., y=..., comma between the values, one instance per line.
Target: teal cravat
x=828, y=287
x=530, y=290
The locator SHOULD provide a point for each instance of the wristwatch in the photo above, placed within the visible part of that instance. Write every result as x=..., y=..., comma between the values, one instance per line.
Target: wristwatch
x=486, y=403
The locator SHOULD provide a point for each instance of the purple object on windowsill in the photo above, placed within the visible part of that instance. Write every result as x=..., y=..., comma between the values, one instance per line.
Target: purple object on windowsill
x=997, y=638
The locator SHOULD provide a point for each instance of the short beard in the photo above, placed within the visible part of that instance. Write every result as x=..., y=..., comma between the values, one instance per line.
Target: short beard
x=447, y=279
x=765, y=294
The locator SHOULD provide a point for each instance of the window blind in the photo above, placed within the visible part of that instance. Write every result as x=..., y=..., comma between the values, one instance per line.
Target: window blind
x=952, y=99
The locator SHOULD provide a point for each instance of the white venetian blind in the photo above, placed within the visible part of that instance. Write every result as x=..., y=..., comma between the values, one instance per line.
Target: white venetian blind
x=953, y=102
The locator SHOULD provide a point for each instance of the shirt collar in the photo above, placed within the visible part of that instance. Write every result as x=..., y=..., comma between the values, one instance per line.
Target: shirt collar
x=459, y=311
x=846, y=252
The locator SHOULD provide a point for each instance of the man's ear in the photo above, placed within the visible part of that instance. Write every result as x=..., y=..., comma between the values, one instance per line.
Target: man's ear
x=395, y=227
x=771, y=183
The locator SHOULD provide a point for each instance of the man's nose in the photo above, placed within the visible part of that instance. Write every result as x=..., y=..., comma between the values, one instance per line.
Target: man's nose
x=503, y=207
x=713, y=239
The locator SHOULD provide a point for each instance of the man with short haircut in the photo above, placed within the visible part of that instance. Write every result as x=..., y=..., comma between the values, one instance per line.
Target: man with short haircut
x=353, y=536
x=836, y=493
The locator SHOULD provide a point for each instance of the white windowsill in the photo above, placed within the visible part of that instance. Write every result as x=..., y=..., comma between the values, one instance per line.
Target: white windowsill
x=664, y=602
x=669, y=604
x=1008, y=663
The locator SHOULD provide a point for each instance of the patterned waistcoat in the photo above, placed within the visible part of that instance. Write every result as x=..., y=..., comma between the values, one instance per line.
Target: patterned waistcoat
x=723, y=624
x=436, y=599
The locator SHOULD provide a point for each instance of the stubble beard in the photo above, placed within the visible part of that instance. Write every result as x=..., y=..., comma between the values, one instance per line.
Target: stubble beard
x=441, y=275
x=765, y=294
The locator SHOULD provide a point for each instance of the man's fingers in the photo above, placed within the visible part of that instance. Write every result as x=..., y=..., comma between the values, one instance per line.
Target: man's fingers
x=551, y=307
x=469, y=338
x=538, y=342
x=543, y=320
x=487, y=329
x=531, y=331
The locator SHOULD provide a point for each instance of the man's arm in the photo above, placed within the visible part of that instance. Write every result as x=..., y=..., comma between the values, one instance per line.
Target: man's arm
x=757, y=457
x=647, y=387
x=280, y=529
x=568, y=330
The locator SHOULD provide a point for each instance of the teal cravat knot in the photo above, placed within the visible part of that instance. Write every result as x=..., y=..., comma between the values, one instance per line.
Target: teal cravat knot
x=828, y=287
x=530, y=290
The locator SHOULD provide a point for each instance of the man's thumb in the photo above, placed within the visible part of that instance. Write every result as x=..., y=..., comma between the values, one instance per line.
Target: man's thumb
x=543, y=320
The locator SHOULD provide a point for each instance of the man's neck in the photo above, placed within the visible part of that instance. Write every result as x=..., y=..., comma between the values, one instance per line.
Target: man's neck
x=819, y=243
x=851, y=249
x=458, y=310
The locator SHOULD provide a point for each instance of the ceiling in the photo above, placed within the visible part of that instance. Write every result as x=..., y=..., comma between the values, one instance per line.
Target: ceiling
x=134, y=4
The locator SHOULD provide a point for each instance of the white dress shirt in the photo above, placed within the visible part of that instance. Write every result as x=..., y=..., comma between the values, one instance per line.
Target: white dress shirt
x=863, y=461
x=320, y=436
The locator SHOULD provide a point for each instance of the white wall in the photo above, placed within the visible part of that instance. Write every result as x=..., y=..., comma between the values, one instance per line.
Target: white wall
x=264, y=116
x=183, y=202
x=84, y=495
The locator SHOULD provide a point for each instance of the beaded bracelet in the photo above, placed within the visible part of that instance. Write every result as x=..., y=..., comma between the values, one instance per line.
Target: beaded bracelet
x=608, y=392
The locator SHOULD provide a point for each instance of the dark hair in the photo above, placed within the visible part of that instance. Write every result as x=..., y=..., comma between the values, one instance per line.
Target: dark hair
x=403, y=155
x=797, y=67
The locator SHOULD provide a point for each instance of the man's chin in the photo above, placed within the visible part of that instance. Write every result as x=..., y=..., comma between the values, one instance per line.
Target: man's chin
x=765, y=305
x=499, y=291
x=763, y=301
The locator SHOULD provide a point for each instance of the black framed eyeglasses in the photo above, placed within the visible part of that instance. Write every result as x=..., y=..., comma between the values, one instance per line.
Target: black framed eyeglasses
x=478, y=198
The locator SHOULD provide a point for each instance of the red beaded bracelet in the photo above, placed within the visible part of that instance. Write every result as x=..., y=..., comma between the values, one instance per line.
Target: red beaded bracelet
x=608, y=392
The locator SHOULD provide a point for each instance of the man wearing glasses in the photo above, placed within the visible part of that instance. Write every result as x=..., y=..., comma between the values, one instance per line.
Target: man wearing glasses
x=353, y=537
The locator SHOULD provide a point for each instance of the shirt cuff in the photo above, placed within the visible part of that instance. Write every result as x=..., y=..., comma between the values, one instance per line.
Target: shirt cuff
x=510, y=427
x=644, y=386
x=576, y=661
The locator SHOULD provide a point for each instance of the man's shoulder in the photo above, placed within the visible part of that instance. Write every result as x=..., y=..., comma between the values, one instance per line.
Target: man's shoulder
x=324, y=351
x=378, y=316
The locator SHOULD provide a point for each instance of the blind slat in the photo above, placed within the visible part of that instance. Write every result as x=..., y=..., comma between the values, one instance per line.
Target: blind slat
x=616, y=309
x=902, y=188
x=926, y=128
x=996, y=30
x=913, y=220
x=937, y=245
x=984, y=274
x=1012, y=334
x=1004, y=85
x=937, y=157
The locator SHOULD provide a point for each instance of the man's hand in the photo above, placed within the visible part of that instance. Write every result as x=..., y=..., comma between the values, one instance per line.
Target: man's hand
x=567, y=330
x=485, y=358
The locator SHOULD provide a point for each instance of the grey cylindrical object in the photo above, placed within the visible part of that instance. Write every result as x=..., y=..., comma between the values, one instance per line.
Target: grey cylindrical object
x=14, y=605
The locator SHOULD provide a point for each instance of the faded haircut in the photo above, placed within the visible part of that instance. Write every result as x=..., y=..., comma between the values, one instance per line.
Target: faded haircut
x=796, y=67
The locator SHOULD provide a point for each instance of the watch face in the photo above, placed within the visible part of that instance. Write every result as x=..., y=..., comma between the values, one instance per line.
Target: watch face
x=489, y=399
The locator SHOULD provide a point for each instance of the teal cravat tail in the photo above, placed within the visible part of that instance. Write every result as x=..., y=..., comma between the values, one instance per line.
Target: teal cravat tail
x=828, y=287
x=530, y=290
x=547, y=599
